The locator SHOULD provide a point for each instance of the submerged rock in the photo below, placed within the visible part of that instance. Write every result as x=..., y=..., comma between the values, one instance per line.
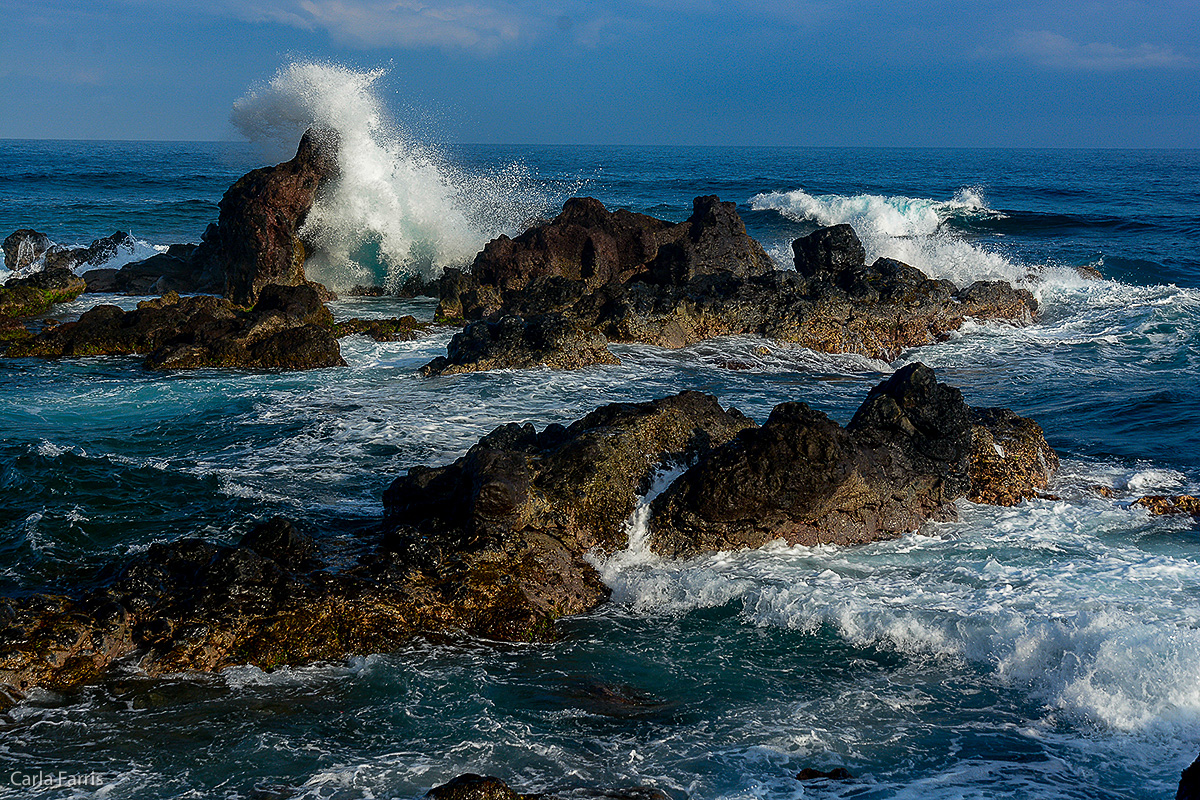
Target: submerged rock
x=288, y=328
x=545, y=340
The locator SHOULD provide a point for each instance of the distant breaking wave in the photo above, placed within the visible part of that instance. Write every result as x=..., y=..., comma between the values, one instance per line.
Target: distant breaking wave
x=400, y=207
x=910, y=229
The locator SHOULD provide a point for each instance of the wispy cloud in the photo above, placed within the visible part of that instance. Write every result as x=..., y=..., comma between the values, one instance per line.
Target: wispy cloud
x=1053, y=50
x=404, y=23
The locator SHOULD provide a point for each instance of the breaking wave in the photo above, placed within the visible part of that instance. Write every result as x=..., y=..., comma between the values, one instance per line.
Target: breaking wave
x=401, y=207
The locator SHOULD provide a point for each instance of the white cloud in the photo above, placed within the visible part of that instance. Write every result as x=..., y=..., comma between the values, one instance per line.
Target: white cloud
x=406, y=23
x=1053, y=50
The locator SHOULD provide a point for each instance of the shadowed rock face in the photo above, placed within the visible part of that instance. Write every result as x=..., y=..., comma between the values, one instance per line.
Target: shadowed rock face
x=256, y=240
x=24, y=247
x=496, y=544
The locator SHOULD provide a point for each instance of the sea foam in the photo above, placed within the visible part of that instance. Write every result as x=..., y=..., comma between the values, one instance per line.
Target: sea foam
x=400, y=207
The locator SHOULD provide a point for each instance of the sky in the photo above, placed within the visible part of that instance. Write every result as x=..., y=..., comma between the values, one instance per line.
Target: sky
x=988, y=73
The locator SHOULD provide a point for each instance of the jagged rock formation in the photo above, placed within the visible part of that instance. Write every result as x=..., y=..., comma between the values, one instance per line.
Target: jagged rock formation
x=637, y=279
x=256, y=240
x=497, y=544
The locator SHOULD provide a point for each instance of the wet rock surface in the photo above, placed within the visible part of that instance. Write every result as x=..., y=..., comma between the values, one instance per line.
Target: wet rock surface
x=256, y=240
x=501, y=543
x=23, y=248
x=804, y=479
x=288, y=328
x=1166, y=505
x=22, y=298
x=637, y=279
x=1010, y=458
x=546, y=340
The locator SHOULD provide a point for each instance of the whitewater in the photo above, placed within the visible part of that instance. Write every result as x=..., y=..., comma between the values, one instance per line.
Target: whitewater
x=1049, y=650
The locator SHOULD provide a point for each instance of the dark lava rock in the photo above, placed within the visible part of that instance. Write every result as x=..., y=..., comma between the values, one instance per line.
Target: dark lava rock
x=835, y=774
x=23, y=248
x=288, y=328
x=577, y=483
x=1010, y=458
x=98, y=252
x=706, y=277
x=392, y=329
x=474, y=787
x=804, y=479
x=546, y=340
x=174, y=270
x=256, y=240
x=589, y=245
x=497, y=543
x=1189, y=783
x=828, y=251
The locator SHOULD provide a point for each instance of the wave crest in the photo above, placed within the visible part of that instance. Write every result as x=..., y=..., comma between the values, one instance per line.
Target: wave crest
x=400, y=207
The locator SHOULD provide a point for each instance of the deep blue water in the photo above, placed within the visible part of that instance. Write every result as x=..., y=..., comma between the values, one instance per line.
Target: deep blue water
x=1050, y=650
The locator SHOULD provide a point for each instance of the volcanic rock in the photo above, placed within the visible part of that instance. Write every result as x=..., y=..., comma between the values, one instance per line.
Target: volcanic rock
x=806, y=480
x=577, y=484
x=23, y=247
x=22, y=298
x=1161, y=505
x=546, y=340
x=256, y=241
x=174, y=270
x=98, y=252
x=497, y=544
x=1010, y=458
x=288, y=328
x=706, y=277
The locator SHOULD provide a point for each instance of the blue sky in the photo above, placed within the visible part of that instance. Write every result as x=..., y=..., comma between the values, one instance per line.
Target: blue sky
x=1004, y=73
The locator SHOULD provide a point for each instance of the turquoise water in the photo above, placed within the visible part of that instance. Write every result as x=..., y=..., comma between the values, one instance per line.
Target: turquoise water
x=1049, y=650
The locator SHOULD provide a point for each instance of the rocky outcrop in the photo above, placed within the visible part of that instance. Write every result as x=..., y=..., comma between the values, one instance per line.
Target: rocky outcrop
x=1010, y=458
x=545, y=340
x=498, y=544
x=22, y=298
x=288, y=328
x=576, y=484
x=804, y=479
x=172, y=271
x=679, y=284
x=23, y=248
x=256, y=240
x=1167, y=505
x=392, y=329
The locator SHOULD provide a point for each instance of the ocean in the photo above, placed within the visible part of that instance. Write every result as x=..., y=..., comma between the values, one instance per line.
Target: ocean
x=1049, y=650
